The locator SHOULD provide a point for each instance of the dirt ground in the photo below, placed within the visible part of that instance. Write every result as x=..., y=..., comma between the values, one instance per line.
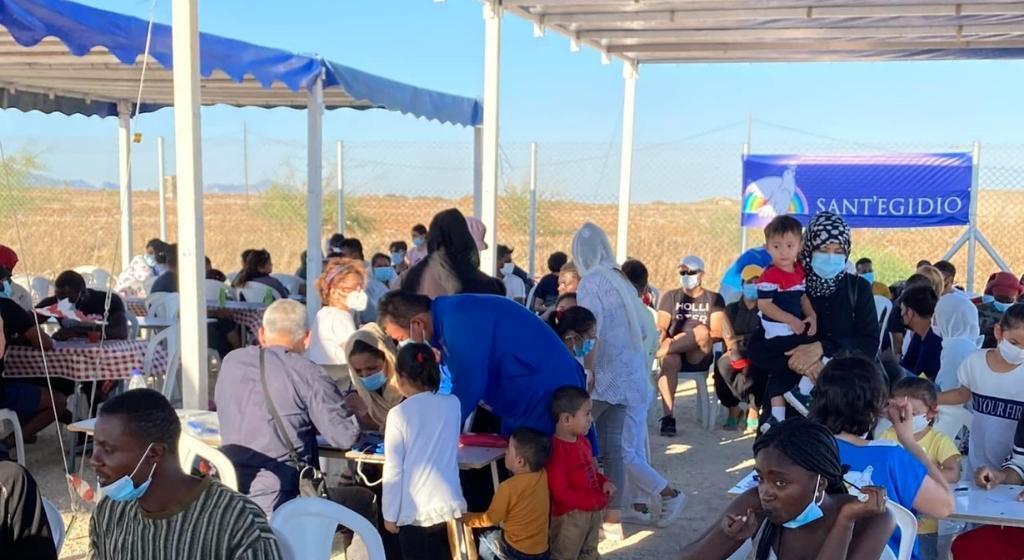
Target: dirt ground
x=703, y=464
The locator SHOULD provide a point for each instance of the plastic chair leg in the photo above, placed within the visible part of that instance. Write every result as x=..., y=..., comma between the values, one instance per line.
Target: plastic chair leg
x=8, y=415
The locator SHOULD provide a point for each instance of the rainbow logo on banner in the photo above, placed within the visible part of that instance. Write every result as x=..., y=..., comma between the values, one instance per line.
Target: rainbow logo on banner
x=754, y=201
x=772, y=196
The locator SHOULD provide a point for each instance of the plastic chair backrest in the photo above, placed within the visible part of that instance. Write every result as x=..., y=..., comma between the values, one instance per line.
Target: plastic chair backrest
x=306, y=526
x=21, y=296
x=882, y=304
x=907, y=524
x=37, y=286
x=289, y=281
x=56, y=523
x=8, y=415
x=168, y=339
x=213, y=289
x=162, y=305
x=254, y=292
x=133, y=326
x=95, y=277
x=189, y=448
x=530, y=297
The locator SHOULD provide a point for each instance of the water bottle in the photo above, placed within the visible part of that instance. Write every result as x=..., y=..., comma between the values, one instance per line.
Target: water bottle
x=137, y=380
x=222, y=297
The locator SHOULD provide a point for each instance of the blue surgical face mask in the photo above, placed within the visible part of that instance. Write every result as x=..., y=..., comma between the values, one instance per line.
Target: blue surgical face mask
x=750, y=292
x=1000, y=306
x=811, y=513
x=582, y=350
x=6, y=290
x=123, y=489
x=150, y=260
x=375, y=381
x=383, y=273
x=397, y=258
x=828, y=265
x=417, y=241
x=869, y=276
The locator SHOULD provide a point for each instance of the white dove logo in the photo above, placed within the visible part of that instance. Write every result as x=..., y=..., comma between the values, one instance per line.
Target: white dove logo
x=777, y=192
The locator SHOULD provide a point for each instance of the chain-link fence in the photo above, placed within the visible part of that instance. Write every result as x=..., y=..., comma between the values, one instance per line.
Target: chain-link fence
x=684, y=200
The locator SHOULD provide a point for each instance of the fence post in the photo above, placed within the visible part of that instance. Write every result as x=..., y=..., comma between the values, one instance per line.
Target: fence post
x=972, y=240
x=533, y=208
x=340, y=171
x=160, y=174
x=629, y=73
x=124, y=172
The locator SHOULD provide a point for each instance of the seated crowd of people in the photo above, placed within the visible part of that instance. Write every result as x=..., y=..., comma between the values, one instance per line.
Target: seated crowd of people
x=413, y=346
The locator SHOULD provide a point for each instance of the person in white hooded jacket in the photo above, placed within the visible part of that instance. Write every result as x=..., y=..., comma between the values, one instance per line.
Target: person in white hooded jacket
x=956, y=322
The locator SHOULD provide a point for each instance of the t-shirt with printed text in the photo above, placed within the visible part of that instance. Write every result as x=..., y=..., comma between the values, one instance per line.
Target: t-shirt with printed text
x=998, y=401
x=683, y=308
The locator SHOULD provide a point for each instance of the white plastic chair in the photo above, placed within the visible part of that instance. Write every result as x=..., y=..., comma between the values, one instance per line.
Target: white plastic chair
x=56, y=523
x=95, y=277
x=254, y=292
x=162, y=305
x=907, y=524
x=305, y=528
x=21, y=296
x=290, y=282
x=189, y=448
x=168, y=340
x=213, y=289
x=530, y=297
x=8, y=415
x=37, y=286
x=707, y=405
x=133, y=326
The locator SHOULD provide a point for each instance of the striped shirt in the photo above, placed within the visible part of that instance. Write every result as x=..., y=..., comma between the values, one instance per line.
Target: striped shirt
x=217, y=524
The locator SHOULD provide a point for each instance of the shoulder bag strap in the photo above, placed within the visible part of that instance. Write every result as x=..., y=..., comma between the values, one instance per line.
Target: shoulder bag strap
x=279, y=427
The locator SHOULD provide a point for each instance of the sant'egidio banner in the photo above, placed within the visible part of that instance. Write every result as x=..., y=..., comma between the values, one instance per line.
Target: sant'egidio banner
x=879, y=191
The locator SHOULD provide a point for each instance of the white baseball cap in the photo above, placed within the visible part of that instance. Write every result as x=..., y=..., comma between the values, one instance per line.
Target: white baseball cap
x=692, y=262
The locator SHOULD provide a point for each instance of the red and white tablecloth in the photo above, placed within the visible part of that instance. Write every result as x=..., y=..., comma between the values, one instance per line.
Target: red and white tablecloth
x=82, y=361
x=249, y=315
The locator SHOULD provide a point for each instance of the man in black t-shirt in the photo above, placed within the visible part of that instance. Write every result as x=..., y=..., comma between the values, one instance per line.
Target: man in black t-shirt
x=24, y=531
x=690, y=319
x=547, y=288
x=71, y=286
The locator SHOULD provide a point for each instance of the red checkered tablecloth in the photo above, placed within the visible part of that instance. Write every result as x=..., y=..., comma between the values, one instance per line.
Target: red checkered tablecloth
x=136, y=305
x=249, y=315
x=82, y=361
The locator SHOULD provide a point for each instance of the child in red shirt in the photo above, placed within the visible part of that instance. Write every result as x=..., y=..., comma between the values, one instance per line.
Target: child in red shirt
x=579, y=493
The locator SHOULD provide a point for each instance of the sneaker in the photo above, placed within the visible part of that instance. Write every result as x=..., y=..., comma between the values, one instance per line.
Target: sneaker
x=611, y=532
x=668, y=426
x=671, y=508
x=752, y=424
x=631, y=515
x=799, y=401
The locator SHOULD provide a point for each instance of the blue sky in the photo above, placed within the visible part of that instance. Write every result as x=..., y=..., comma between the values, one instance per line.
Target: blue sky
x=549, y=94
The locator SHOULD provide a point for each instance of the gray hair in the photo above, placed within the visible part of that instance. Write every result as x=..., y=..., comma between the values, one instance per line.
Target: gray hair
x=285, y=317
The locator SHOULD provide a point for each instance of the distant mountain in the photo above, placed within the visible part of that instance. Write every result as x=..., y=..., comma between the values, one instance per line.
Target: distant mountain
x=47, y=181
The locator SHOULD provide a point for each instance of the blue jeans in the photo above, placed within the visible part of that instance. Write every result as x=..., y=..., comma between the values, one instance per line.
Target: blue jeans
x=494, y=547
x=609, y=419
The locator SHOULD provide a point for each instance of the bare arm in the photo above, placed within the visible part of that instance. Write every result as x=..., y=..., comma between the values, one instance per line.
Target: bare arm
x=957, y=396
x=738, y=523
x=950, y=469
x=934, y=498
x=36, y=338
x=861, y=530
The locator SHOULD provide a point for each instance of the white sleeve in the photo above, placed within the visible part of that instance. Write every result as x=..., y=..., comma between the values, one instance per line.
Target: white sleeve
x=964, y=375
x=514, y=287
x=333, y=337
x=394, y=457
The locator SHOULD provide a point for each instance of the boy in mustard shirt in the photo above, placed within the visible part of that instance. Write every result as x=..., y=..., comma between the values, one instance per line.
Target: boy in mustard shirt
x=521, y=506
x=923, y=399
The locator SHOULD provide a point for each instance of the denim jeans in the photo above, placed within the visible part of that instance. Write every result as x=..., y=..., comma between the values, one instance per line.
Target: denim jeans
x=493, y=546
x=609, y=419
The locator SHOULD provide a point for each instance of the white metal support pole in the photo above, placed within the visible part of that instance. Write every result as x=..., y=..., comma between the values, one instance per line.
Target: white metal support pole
x=189, y=170
x=533, y=208
x=629, y=72
x=124, y=175
x=743, y=230
x=489, y=147
x=972, y=241
x=340, y=172
x=478, y=171
x=160, y=174
x=314, y=186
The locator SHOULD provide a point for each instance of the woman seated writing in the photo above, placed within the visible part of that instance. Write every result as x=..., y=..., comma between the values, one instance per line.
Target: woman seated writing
x=800, y=508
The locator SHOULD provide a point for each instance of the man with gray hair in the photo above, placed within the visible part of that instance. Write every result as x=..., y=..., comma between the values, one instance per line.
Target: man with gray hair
x=305, y=398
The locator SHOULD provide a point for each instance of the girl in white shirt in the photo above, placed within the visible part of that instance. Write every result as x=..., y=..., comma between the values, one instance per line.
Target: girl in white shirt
x=421, y=490
x=341, y=288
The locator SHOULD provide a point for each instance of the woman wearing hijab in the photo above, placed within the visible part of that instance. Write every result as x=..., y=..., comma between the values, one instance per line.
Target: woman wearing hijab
x=844, y=303
x=452, y=265
x=956, y=321
x=371, y=365
x=620, y=385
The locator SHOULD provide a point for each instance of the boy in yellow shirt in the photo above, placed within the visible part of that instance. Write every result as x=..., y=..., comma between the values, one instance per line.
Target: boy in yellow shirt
x=923, y=398
x=521, y=506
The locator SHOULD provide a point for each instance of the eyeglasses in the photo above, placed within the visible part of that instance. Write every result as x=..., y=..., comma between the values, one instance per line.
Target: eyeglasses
x=689, y=272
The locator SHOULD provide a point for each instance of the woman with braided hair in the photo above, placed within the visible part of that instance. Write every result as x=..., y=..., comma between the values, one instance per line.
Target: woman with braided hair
x=800, y=508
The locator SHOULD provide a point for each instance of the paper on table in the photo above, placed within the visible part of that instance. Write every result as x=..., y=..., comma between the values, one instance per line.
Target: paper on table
x=1002, y=498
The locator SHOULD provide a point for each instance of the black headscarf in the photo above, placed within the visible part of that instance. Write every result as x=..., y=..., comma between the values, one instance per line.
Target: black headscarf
x=824, y=229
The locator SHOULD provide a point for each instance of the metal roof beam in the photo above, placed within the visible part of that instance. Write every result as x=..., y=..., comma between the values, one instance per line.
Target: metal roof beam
x=823, y=47
x=609, y=38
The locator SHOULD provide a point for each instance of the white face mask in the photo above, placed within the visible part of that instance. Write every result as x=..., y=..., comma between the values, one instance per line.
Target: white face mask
x=1011, y=353
x=507, y=268
x=690, y=282
x=919, y=422
x=356, y=301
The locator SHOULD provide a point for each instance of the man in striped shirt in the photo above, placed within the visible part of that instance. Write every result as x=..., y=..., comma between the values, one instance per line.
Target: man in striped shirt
x=153, y=510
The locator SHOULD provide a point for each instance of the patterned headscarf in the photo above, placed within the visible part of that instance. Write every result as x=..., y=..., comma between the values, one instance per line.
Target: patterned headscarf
x=824, y=229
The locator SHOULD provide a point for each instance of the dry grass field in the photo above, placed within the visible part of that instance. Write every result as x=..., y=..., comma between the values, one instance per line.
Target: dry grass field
x=65, y=228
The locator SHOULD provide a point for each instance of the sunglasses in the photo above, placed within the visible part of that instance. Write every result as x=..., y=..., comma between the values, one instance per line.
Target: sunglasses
x=689, y=272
